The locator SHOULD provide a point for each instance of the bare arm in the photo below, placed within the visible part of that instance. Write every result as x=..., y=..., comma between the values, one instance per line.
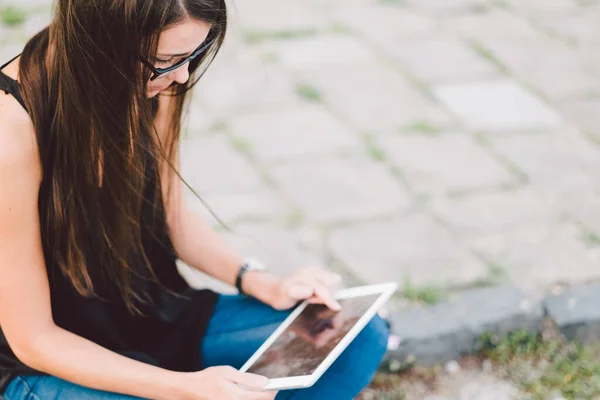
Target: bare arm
x=195, y=241
x=25, y=312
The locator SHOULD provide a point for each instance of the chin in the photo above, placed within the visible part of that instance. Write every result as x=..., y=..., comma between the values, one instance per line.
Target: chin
x=152, y=93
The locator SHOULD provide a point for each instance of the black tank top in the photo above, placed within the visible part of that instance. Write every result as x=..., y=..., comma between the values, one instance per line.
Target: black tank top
x=170, y=331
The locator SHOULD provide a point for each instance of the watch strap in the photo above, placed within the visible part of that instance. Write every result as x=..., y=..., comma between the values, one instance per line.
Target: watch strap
x=238, y=281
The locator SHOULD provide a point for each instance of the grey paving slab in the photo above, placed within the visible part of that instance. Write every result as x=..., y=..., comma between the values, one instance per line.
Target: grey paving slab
x=211, y=165
x=495, y=23
x=550, y=6
x=37, y=22
x=498, y=211
x=286, y=134
x=256, y=204
x=341, y=188
x=446, y=331
x=553, y=158
x=243, y=80
x=538, y=256
x=8, y=51
x=576, y=313
x=441, y=58
x=441, y=7
x=315, y=52
x=551, y=66
x=280, y=249
x=383, y=24
x=582, y=202
x=489, y=391
x=579, y=28
x=584, y=113
x=444, y=163
x=414, y=247
x=497, y=105
x=273, y=15
x=375, y=98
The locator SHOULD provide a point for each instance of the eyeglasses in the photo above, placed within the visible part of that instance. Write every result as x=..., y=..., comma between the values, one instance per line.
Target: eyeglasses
x=158, y=72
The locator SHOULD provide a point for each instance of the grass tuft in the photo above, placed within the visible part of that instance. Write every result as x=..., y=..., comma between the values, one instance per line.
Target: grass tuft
x=543, y=366
x=308, y=92
x=427, y=294
x=12, y=16
x=254, y=37
x=421, y=126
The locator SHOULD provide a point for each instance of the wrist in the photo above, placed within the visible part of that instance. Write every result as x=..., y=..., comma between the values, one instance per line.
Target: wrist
x=172, y=386
x=260, y=285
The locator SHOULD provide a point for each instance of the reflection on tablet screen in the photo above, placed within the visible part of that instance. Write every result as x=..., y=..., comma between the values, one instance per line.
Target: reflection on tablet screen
x=303, y=346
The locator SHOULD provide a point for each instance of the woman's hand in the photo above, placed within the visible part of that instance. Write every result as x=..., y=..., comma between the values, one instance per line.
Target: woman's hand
x=314, y=283
x=223, y=383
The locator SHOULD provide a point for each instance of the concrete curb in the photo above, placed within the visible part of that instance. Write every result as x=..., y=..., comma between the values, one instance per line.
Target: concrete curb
x=451, y=329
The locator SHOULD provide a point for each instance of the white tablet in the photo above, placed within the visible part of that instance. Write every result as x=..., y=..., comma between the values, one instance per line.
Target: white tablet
x=313, y=336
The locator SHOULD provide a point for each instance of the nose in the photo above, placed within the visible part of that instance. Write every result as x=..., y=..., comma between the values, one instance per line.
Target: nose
x=182, y=74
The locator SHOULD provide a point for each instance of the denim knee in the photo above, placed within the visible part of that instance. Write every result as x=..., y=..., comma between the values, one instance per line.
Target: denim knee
x=375, y=336
x=367, y=350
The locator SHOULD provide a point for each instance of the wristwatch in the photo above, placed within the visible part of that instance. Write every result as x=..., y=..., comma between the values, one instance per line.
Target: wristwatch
x=249, y=264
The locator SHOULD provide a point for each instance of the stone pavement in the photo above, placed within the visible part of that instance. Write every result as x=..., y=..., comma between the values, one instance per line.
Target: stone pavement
x=446, y=143
x=451, y=144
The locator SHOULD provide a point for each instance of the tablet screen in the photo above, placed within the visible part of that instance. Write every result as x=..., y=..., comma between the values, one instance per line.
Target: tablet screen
x=303, y=346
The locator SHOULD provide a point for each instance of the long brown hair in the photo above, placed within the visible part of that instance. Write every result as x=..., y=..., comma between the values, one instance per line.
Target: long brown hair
x=84, y=87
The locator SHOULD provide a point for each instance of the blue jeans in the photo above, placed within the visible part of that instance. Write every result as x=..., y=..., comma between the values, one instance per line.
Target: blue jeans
x=237, y=329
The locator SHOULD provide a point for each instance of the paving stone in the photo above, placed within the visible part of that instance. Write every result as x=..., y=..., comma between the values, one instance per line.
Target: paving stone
x=550, y=6
x=444, y=163
x=341, y=188
x=315, y=52
x=36, y=22
x=442, y=58
x=576, y=313
x=496, y=105
x=537, y=256
x=489, y=391
x=581, y=27
x=584, y=113
x=256, y=204
x=556, y=158
x=197, y=120
x=582, y=202
x=210, y=165
x=35, y=3
x=382, y=103
x=243, y=80
x=300, y=131
x=441, y=7
x=448, y=330
x=400, y=248
x=383, y=24
x=551, y=66
x=280, y=249
x=9, y=51
x=273, y=15
x=497, y=211
x=496, y=23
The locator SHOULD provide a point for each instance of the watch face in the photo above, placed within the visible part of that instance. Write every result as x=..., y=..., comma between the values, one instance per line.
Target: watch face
x=254, y=264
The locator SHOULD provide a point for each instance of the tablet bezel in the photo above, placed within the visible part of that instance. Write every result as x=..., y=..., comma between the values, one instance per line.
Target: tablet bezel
x=384, y=290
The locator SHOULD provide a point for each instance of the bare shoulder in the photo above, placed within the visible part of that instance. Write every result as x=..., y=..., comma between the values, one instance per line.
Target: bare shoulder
x=18, y=144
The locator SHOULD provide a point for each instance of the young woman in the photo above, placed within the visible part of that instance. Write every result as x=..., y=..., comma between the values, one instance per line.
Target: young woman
x=92, y=219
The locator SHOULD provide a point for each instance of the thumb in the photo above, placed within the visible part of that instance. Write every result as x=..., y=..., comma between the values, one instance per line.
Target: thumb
x=250, y=381
x=298, y=291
